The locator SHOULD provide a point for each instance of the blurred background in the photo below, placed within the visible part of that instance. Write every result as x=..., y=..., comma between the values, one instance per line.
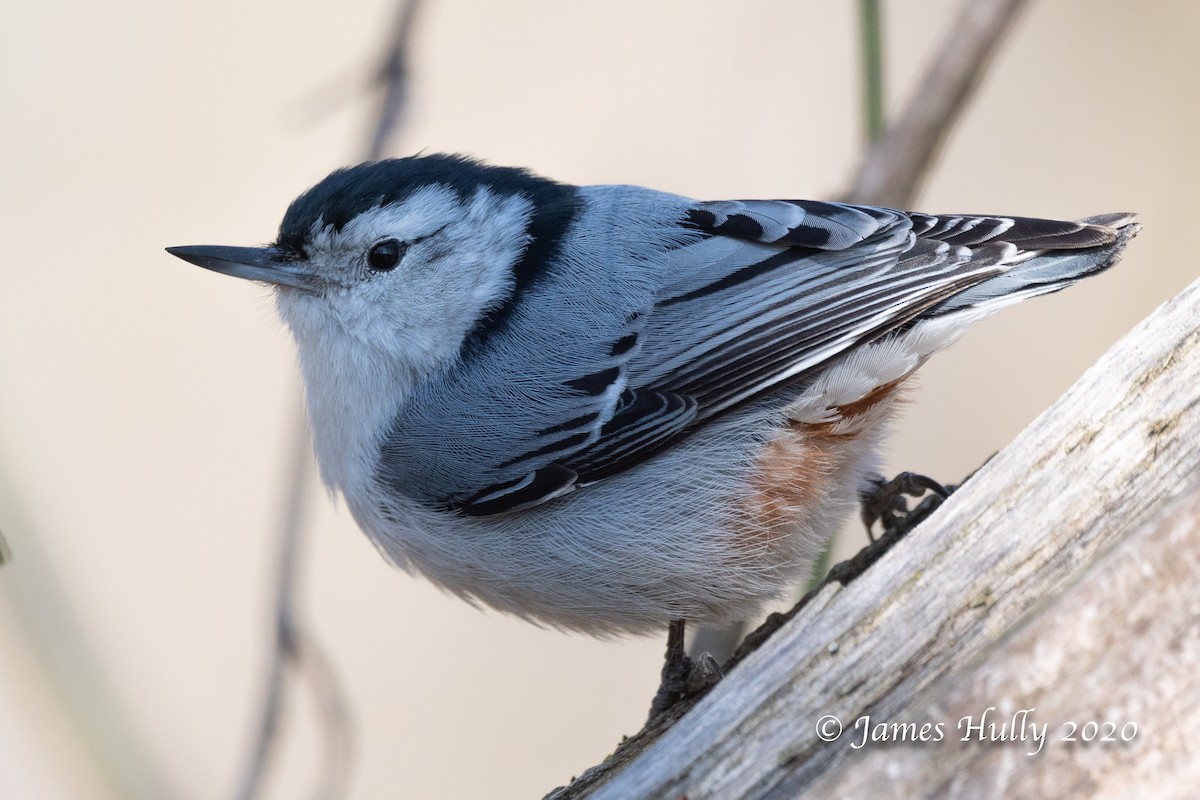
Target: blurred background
x=148, y=408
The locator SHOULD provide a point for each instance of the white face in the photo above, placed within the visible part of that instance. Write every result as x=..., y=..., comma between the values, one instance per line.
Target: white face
x=455, y=264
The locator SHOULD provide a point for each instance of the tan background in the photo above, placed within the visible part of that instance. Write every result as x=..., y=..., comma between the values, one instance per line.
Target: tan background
x=146, y=406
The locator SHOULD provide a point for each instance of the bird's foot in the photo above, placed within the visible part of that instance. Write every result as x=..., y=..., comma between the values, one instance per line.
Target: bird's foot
x=682, y=676
x=887, y=502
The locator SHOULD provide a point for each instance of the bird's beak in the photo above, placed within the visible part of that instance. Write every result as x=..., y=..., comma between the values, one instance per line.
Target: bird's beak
x=267, y=264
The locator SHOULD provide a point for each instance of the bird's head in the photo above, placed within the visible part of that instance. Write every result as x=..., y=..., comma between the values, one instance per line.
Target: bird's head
x=411, y=257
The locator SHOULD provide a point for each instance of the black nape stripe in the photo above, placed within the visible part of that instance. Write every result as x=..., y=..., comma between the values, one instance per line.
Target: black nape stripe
x=555, y=206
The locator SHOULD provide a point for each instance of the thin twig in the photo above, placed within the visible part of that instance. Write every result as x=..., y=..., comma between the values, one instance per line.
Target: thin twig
x=900, y=159
x=870, y=26
x=295, y=649
x=393, y=75
x=287, y=631
x=334, y=712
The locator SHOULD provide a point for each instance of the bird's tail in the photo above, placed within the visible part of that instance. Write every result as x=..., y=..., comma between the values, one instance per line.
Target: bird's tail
x=1044, y=271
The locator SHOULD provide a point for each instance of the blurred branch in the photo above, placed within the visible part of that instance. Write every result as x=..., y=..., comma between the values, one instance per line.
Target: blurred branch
x=390, y=73
x=5, y=551
x=393, y=75
x=82, y=690
x=870, y=26
x=898, y=160
x=295, y=649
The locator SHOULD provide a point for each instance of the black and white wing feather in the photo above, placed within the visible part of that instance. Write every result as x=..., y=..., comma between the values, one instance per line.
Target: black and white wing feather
x=761, y=295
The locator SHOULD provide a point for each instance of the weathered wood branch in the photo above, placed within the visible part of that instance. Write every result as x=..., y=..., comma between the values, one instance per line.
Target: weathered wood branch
x=1059, y=578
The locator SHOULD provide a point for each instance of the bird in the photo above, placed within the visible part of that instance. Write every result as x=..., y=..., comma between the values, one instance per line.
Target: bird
x=607, y=408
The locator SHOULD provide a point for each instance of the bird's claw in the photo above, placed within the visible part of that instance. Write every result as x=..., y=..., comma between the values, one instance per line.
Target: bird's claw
x=682, y=676
x=887, y=501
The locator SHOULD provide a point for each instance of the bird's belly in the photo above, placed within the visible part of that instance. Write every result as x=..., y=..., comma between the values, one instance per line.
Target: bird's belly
x=707, y=531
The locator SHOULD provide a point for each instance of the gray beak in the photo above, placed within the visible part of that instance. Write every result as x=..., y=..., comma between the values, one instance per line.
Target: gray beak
x=266, y=264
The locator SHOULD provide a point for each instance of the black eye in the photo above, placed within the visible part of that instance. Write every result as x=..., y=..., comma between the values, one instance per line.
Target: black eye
x=386, y=255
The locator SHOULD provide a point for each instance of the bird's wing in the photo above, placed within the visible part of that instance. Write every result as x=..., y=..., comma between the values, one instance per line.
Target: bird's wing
x=849, y=274
x=762, y=294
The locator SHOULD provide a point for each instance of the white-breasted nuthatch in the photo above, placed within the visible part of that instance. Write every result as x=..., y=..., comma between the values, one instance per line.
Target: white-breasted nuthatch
x=606, y=408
